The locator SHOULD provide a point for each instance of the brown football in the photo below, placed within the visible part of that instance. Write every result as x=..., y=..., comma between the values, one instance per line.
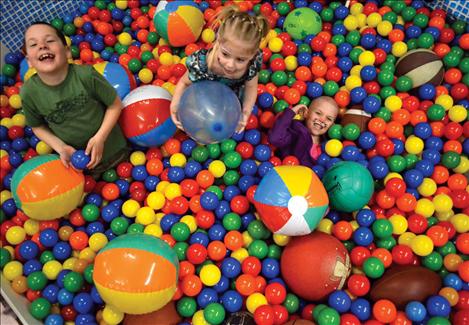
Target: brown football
x=300, y=322
x=357, y=115
x=402, y=284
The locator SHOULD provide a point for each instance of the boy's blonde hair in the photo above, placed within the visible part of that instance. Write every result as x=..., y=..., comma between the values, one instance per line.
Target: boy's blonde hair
x=233, y=22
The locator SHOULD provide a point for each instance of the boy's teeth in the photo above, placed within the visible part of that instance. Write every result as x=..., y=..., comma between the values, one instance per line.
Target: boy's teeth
x=46, y=56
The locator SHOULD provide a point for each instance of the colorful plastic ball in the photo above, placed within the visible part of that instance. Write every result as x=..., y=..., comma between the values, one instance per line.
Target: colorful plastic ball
x=438, y=306
x=422, y=245
x=286, y=207
x=80, y=159
x=209, y=119
x=118, y=76
x=115, y=273
x=415, y=311
x=145, y=118
x=302, y=22
x=346, y=180
x=179, y=23
x=45, y=189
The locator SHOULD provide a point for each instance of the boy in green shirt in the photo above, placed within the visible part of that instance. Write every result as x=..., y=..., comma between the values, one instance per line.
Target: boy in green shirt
x=70, y=106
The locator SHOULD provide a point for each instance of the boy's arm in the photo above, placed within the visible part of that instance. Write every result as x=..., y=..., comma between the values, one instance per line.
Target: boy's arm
x=182, y=85
x=280, y=135
x=64, y=150
x=250, y=95
x=95, y=145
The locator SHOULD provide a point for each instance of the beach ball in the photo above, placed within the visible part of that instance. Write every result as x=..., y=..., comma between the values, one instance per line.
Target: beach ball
x=45, y=189
x=179, y=22
x=145, y=118
x=421, y=66
x=209, y=111
x=302, y=22
x=136, y=273
x=291, y=200
x=25, y=71
x=118, y=76
x=349, y=185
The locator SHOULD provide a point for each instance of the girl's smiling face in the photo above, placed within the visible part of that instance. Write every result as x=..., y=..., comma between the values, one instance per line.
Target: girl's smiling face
x=232, y=58
x=320, y=117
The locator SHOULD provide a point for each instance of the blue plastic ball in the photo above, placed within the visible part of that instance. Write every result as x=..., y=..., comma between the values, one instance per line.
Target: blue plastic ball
x=207, y=296
x=230, y=267
x=361, y=308
x=415, y=311
x=427, y=92
x=232, y=301
x=340, y=301
x=365, y=217
x=363, y=236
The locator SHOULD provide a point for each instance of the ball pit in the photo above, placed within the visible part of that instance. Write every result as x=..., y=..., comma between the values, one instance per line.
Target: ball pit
x=200, y=199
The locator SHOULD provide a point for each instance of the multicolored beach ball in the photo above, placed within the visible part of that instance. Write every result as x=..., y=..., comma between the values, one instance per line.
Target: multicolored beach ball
x=179, y=22
x=145, y=118
x=291, y=200
x=45, y=189
x=118, y=76
x=136, y=273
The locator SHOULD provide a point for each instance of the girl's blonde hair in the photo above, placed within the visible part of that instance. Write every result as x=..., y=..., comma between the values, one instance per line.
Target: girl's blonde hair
x=250, y=29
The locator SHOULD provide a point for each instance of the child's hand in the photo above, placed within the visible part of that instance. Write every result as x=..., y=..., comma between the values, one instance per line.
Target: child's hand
x=300, y=109
x=65, y=154
x=95, y=148
x=174, y=117
x=242, y=123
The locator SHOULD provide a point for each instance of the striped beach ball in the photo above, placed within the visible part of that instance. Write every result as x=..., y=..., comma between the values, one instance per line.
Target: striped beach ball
x=45, y=189
x=118, y=76
x=136, y=273
x=291, y=200
x=145, y=118
x=179, y=22
x=421, y=66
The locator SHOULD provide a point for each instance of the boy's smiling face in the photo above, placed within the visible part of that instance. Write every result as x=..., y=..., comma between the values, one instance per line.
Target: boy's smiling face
x=45, y=51
x=320, y=117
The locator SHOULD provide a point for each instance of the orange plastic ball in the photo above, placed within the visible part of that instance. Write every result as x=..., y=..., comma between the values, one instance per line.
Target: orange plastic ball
x=376, y=125
x=438, y=235
x=452, y=262
x=78, y=240
x=457, y=182
x=384, y=311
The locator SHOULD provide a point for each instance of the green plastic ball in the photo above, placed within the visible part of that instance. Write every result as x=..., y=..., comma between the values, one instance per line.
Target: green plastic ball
x=88, y=274
x=335, y=132
x=5, y=257
x=459, y=27
x=438, y=321
x=214, y=150
x=40, y=308
x=304, y=100
x=327, y=14
x=232, y=159
x=330, y=88
x=391, y=17
x=446, y=249
x=396, y=163
x=46, y=256
x=318, y=309
x=9, y=70
x=73, y=281
x=434, y=261
x=180, y=248
x=119, y=225
x=153, y=38
x=275, y=251
x=351, y=131
x=451, y=60
x=404, y=84
x=231, y=177
x=408, y=13
x=382, y=228
x=134, y=65
x=232, y=221
x=217, y=190
x=69, y=29
x=110, y=175
x=384, y=113
x=57, y=23
x=421, y=20
x=279, y=78
x=425, y=40
x=283, y=8
x=387, y=91
x=214, y=313
x=186, y=306
x=436, y=112
x=264, y=76
x=90, y=212
x=373, y=267
x=280, y=106
x=385, y=78
x=353, y=37
x=291, y=303
x=411, y=159
x=451, y=159
x=412, y=44
x=37, y=280
x=257, y=229
x=258, y=248
x=354, y=54
x=200, y=154
x=302, y=22
x=228, y=145
x=386, y=243
x=135, y=228
x=328, y=316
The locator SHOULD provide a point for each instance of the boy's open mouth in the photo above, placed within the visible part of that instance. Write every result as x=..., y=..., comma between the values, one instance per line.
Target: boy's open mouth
x=46, y=56
x=319, y=125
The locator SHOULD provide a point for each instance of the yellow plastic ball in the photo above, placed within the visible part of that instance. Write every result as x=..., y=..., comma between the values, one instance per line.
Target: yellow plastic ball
x=190, y=222
x=130, y=208
x=275, y=44
x=406, y=238
x=428, y=187
x=399, y=224
x=366, y=58
x=15, y=235
x=121, y=4
x=399, y=49
x=355, y=71
x=69, y=263
x=334, y=147
x=31, y=227
x=325, y=226
x=145, y=216
x=166, y=58
x=281, y=240
x=240, y=254
x=384, y=28
x=145, y=75
x=425, y=207
x=12, y=269
x=87, y=254
x=254, y=301
x=176, y=59
x=210, y=274
x=6, y=122
x=3, y=153
x=460, y=222
x=463, y=166
x=18, y=120
x=153, y=230
x=162, y=186
x=422, y=245
x=169, y=87
x=393, y=103
x=43, y=148
x=199, y=319
x=172, y=191
x=354, y=225
x=373, y=19
x=446, y=101
x=111, y=315
x=442, y=203
x=52, y=269
x=291, y=62
x=15, y=101
x=350, y=23
x=457, y=113
x=391, y=176
x=177, y=160
x=414, y=145
x=138, y=158
x=444, y=216
x=352, y=82
x=156, y=200
x=125, y=38
x=5, y=195
x=217, y=168
x=356, y=8
x=208, y=35
x=247, y=239
x=361, y=19
x=97, y=241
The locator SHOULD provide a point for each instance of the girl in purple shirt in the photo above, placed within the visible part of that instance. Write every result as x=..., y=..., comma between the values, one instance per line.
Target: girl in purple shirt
x=303, y=140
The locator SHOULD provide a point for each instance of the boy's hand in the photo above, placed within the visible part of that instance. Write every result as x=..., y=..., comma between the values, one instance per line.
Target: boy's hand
x=65, y=154
x=174, y=117
x=299, y=109
x=95, y=148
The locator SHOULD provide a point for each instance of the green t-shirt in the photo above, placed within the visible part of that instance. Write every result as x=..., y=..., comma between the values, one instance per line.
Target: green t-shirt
x=73, y=110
